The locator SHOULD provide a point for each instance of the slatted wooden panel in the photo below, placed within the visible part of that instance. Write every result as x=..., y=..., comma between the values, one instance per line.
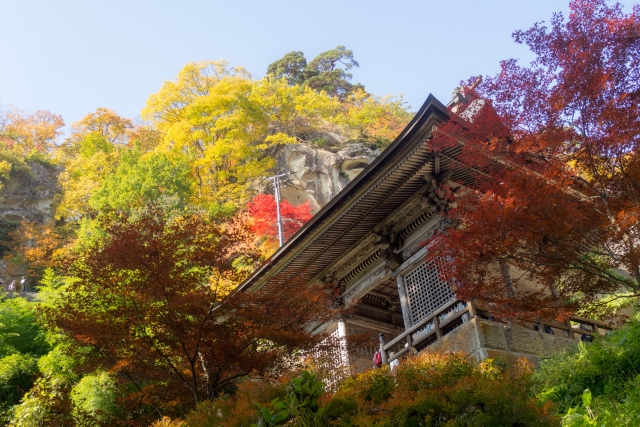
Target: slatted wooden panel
x=425, y=291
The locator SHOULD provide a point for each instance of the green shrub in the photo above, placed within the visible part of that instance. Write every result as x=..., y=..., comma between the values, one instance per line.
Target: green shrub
x=595, y=382
x=603, y=367
x=19, y=332
x=40, y=157
x=12, y=164
x=16, y=377
x=94, y=399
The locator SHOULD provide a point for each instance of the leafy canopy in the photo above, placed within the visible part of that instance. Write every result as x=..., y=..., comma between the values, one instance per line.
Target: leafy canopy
x=24, y=133
x=263, y=214
x=152, y=232
x=143, y=178
x=560, y=138
x=324, y=73
x=145, y=300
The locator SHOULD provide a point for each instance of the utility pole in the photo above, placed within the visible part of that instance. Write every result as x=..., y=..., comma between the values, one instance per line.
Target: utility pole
x=276, y=186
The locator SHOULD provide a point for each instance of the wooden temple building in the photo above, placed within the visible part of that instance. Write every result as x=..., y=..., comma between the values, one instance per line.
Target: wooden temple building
x=370, y=239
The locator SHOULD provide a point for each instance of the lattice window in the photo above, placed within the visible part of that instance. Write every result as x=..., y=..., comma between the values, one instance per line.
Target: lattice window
x=425, y=291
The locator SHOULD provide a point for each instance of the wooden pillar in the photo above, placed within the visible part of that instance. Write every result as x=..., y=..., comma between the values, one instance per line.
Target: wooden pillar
x=472, y=309
x=570, y=329
x=541, y=327
x=404, y=303
x=383, y=352
x=342, y=328
x=436, y=325
x=342, y=337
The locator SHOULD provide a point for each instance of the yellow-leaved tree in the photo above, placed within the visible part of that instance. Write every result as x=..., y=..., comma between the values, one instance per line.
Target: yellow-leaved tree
x=376, y=118
x=105, y=123
x=90, y=153
x=226, y=127
x=225, y=123
x=24, y=133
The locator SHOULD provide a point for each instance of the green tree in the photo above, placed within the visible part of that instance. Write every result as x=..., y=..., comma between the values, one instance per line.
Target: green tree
x=16, y=377
x=94, y=399
x=292, y=67
x=327, y=72
x=19, y=333
x=48, y=401
x=141, y=179
x=87, y=160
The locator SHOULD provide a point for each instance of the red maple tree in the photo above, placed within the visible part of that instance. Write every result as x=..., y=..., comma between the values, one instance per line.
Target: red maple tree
x=155, y=303
x=262, y=209
x=550, y=223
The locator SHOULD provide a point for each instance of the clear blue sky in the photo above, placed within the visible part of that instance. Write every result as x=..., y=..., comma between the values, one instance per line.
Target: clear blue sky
x=71, y=57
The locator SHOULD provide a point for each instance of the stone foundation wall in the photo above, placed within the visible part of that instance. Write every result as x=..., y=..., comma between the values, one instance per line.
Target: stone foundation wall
x=484, y=339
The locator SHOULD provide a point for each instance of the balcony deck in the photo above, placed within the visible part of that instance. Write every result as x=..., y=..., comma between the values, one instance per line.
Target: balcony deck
x=457, y=326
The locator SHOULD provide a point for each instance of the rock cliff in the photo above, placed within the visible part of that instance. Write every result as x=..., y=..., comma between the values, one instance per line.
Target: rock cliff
x=316, y=174
x=30, y=196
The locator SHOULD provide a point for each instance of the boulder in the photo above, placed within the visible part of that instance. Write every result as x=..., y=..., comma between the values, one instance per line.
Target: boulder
x=316, y=175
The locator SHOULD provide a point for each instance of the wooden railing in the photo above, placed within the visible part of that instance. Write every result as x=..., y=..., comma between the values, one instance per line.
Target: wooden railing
x=454, y=313
x=572, y=329
x=431, y=328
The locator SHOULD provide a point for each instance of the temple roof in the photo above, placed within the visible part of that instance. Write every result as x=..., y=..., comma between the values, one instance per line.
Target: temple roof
x=396, y=175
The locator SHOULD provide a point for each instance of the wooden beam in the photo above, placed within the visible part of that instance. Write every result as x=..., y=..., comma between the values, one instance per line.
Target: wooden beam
x=436, y=326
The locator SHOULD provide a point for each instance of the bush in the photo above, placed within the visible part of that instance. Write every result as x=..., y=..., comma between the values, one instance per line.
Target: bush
x=40, y=157
x=429, y=390
x=19, y=332
x=437, y=390
x=596, y=381
x=243, y=409
x=94, y=399
x=16, y=377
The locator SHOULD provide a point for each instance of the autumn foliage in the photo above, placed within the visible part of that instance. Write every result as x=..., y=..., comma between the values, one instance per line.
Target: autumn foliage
x=24, y=133
x=155, y=306
x=554, y=148
x=262, y=210
x=430, y=389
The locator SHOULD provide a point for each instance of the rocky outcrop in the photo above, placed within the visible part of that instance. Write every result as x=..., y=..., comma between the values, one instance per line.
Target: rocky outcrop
x=317, y=175
x=30, y=196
